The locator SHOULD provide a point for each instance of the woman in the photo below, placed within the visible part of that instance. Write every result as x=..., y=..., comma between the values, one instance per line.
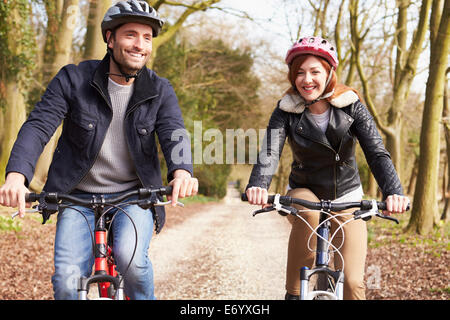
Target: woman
x=323, y=120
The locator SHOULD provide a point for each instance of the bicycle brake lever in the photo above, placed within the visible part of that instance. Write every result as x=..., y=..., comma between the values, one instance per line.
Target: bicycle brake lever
x=160, y=203
x=34, y=209
x=363, y=214
x=284, y=211
x=388, y=218
x=267, y=209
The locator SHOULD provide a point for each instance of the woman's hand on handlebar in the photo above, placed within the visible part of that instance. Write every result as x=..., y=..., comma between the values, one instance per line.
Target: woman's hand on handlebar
x=257, y=196
x=396, y=204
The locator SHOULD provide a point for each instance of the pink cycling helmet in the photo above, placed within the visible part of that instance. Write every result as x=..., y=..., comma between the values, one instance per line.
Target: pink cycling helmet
x=315, y=46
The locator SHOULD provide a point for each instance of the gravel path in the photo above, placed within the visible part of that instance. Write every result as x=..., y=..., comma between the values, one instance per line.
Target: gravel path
x=222, y=253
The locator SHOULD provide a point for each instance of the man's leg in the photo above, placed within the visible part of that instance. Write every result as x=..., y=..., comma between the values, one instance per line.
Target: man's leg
x=73, y=252
x=137, y=270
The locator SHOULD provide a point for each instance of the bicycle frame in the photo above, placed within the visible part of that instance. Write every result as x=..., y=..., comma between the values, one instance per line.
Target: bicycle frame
x=105, y=272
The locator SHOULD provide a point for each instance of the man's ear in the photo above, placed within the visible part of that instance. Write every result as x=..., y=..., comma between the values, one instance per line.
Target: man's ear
x=109, y=38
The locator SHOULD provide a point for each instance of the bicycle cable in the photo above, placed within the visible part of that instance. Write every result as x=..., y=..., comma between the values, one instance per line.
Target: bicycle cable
x=73, y=207
x=117, y=207
x=328, y=241
x=91, y=233
x=316, y=233
x=332, y=216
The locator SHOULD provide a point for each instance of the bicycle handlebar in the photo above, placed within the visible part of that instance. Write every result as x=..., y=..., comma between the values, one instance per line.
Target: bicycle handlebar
x=365, y=206
x=49, y=202
x=323, y=204
x=55, y=197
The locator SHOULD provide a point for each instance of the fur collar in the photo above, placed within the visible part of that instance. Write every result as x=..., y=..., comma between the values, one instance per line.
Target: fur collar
x=294, y=103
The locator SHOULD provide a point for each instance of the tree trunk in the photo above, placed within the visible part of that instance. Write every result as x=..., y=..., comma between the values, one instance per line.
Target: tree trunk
x=425, y=204
x=14, y=117
x=63, y=47
x=2, y=120
x=61, y=57
x=413, y=178
x=372, y=186
x=54, y=12
x=405, y=70
x=446, y=120
x=12, y=100
x=95, y=47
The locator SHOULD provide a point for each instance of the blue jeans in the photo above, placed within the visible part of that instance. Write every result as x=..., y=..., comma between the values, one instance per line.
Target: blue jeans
x=74, y=252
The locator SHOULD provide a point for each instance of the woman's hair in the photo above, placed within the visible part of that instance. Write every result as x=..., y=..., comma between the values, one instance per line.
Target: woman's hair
x=333, y=84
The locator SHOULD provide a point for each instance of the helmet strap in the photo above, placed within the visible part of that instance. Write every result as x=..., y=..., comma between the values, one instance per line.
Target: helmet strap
x=127, y=76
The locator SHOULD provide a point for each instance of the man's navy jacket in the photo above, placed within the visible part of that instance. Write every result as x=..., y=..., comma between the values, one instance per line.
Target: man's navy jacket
x=78, y=96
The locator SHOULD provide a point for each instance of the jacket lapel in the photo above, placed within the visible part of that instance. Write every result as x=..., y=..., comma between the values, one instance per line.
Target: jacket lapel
x=338, y=125
x=144, y=84
x=308, y=128
x=100, y=79
x=144, y=89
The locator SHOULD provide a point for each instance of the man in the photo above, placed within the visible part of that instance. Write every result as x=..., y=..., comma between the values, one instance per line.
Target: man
x=111, y=111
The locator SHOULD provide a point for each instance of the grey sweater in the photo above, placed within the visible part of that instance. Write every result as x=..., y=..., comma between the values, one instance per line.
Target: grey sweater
x=113, y=170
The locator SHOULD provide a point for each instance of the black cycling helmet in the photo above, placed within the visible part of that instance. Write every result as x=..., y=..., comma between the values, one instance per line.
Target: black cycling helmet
x=131, y=11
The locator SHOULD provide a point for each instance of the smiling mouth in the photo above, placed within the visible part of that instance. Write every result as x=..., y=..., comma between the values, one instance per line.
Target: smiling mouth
x=136, y=55
x=309, y=88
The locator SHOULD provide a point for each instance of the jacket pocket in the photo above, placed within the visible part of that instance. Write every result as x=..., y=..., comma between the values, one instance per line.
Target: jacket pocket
x=81, y=130
x=146, y=137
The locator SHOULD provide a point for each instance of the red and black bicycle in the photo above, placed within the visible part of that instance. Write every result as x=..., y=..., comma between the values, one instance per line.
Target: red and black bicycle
x=110, y=282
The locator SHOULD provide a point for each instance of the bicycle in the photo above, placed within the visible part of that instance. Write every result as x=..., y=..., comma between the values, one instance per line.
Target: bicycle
x=107, y=278
x=329, y=283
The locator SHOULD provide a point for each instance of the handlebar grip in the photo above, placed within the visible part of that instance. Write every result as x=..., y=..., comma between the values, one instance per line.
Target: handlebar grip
x=31, y=197
x=167, y=191
x=367, y=205
x=269, y=199
x=382, y=206
x=162, y=191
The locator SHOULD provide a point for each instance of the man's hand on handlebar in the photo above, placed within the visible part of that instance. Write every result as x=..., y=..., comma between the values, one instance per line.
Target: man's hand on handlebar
x=183, y=184
x=12, y=193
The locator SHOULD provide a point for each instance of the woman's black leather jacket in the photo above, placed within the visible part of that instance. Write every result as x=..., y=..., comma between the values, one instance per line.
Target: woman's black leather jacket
x=325, y=163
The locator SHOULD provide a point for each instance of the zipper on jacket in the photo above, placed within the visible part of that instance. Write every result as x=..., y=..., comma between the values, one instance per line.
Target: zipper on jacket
x=134, y=107
x=337, y=158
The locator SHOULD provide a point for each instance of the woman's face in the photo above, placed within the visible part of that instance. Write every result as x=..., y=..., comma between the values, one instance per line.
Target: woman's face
x=311, y=79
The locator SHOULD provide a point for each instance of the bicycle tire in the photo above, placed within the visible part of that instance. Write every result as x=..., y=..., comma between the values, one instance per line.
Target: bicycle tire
x=323, y=287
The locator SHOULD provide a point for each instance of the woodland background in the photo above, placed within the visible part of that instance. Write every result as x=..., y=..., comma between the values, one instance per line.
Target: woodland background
x=227, y=77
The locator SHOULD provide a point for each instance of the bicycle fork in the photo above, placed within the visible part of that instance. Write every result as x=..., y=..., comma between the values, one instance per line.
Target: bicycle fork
x=324, y=273
x=104, y=275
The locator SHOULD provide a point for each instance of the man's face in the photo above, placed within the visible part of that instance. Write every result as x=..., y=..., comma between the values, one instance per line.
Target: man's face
x=132, y=46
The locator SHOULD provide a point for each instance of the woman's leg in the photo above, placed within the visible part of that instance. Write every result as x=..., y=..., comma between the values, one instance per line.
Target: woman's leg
x=354, y=251
x=298, y=253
